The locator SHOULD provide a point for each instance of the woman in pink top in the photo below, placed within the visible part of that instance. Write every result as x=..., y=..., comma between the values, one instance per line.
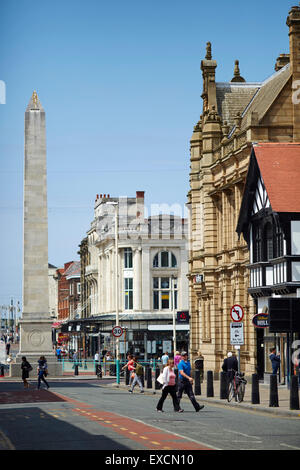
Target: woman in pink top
x=169, y=387
x=177, y=358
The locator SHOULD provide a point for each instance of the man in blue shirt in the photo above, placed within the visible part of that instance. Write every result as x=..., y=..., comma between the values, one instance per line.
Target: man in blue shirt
x=185, y=381
x=275, y=360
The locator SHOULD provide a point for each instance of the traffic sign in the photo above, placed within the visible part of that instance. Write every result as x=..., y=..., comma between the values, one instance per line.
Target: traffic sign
x=237, y=334
x=237, y=313
x=117, y=331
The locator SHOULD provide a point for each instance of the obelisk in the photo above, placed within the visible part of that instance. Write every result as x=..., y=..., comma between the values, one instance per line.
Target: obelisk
x=35, y=323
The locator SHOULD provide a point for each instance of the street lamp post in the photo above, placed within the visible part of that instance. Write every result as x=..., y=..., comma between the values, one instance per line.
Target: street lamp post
x=174, y=319
x=116, y=207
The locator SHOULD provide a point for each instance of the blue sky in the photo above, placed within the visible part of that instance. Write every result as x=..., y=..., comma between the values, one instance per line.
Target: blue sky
x=120, y=83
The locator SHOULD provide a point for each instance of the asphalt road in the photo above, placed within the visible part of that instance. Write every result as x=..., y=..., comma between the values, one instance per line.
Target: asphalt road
x=84, y=415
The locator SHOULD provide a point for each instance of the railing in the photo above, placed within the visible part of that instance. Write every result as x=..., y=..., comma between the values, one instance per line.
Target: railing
x=88, y=366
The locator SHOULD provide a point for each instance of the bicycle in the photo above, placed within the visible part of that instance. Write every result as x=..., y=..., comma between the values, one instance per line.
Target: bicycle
x=236, y=387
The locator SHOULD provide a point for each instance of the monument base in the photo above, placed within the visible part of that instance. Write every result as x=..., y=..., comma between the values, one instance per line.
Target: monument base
x=36, y=341
x=54, y=366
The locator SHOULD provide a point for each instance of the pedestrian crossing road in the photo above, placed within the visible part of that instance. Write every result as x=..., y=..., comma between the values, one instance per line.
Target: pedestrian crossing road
x=86, y=415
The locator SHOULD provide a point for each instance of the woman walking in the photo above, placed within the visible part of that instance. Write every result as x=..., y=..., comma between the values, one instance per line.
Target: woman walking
x=26, y=368
x=169, y=387
x=42, y=370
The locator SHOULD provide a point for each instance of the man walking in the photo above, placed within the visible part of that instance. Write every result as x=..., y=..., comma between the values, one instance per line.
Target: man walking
x=185, y=381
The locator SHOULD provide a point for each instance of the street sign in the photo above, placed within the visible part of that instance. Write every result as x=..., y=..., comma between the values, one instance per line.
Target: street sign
x=237, y=313
x=183, y=317
x=261, y=320
x=117, y=331
x=236, y=334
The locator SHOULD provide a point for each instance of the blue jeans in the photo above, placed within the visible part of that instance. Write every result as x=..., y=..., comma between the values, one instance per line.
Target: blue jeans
x=41, y=377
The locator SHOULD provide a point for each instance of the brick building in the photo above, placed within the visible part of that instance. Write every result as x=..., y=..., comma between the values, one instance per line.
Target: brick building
x=235, y=115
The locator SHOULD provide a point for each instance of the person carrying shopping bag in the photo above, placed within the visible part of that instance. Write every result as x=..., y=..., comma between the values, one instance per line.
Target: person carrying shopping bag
x=169, y=387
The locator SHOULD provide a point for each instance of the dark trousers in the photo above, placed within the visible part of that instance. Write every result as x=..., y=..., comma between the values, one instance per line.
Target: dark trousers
x=41, y=377
x=186, y=386
x=169, y=389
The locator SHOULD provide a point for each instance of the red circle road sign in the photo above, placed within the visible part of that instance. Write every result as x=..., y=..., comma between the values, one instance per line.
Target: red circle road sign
x=237, y=313
x=117, y=331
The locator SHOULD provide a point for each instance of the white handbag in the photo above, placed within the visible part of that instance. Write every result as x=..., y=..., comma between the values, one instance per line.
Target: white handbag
x=160, y=378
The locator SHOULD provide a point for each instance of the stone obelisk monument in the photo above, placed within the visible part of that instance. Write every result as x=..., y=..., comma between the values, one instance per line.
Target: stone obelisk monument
x=35, y=324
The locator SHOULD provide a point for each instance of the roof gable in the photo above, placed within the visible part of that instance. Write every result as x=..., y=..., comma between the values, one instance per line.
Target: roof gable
x=272, y=182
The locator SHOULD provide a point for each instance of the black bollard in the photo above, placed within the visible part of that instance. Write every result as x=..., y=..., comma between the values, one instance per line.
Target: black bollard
x=223, y=386
x=294, y=395
x=149, y=377
x=127, y=376
x=273, y=391
x=2, y=371
x=197, y=382
x=157, y=384
x=76, y=369
x=255, y=400
x=210, y=384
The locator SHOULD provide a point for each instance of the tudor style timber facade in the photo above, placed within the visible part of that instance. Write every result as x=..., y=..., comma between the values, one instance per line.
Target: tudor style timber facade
x=235, y=115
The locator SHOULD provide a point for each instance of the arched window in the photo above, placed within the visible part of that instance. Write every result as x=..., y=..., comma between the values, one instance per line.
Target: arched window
x=165, y=259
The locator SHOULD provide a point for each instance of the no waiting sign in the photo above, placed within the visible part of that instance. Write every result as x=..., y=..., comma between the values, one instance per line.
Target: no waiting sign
x=237, y=313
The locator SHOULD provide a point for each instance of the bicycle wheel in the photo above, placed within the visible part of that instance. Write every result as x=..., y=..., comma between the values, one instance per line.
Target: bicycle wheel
x=230, y=391
x=241, y=392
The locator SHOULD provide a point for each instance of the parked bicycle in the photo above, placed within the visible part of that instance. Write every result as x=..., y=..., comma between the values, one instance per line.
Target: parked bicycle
x=236, y=387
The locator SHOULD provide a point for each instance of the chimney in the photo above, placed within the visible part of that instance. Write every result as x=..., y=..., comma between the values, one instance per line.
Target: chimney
x=293, y=22
x=281, y=61
x=140, y=196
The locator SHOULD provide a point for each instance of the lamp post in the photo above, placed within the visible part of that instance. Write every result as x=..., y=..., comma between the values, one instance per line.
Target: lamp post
x=116, y=209
x=174, y=319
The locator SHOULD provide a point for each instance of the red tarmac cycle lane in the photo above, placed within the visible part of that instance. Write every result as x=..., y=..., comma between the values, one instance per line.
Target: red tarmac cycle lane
x=149, y=436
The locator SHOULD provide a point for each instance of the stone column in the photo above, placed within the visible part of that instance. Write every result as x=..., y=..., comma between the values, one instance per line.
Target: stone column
x=35, y=324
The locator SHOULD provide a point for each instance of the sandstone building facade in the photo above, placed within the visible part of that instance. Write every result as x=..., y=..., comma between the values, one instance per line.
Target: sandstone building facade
x=235, y=115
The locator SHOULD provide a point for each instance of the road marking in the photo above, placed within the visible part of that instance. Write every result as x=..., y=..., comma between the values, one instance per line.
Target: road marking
x=156, y=443
x=291, y=447
x=143, y=437
x=242, y=434
x=131, y=432
x=124, y=429
x=6, y=442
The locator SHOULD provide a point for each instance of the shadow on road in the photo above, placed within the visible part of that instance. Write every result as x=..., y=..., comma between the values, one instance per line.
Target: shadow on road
x=34, y=429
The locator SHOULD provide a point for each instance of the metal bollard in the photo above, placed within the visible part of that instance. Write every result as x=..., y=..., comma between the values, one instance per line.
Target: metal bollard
x=197, y=382
x=76, y=369
x=127, y=376
x=273, y=402
x=294, y=395
x=149, y=377
x=176, y=380
x=157, y=384
x=210, y=384
x=255, y=399
x=2, y=371
x=223, y=386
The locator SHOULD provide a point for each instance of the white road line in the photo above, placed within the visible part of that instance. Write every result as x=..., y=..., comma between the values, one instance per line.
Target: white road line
x=291, y=447
x=242, y=434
